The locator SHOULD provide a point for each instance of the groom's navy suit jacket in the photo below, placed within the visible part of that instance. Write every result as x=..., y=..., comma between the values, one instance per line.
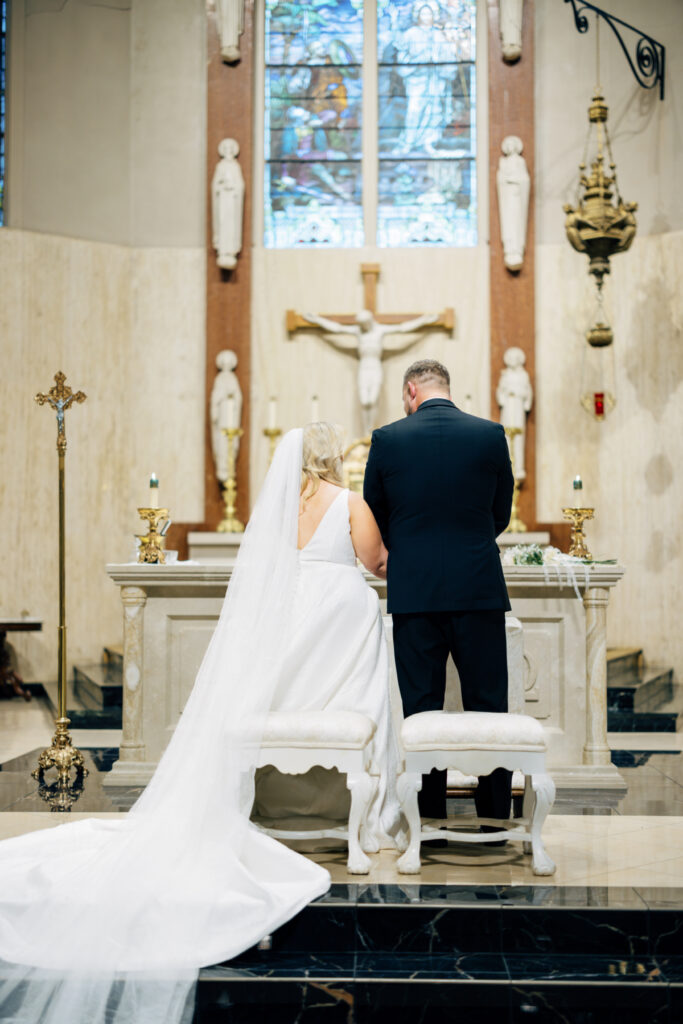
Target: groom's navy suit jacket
x=440, y=484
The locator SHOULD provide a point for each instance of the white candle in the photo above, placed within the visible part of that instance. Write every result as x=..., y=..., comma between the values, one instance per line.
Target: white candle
x=315, y=409
x=578, y=494
x=154, y=491
x=230, y=413
x=272, y=413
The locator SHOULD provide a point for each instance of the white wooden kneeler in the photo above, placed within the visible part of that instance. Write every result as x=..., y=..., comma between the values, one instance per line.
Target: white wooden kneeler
x=475, y=743
x=295, y=741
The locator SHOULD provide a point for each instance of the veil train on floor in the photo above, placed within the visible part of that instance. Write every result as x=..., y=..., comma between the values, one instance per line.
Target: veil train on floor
x=111, y=920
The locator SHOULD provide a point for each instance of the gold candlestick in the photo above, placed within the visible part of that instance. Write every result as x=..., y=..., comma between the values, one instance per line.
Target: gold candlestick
x=62, y=755
x=152, y=543
x=577, y=517
x=230, y=523
x=515, y=525
x=272, y=433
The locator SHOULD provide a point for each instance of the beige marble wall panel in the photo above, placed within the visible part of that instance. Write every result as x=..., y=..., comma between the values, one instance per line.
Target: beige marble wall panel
x=127, y=328
x=107, y=118
x=424, y=280
x=70, y=85
x=168, y=122
x=646, y=132
x=632, y=462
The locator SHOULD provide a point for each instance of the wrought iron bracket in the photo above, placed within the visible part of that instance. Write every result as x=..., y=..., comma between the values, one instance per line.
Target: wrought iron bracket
x=647, y=62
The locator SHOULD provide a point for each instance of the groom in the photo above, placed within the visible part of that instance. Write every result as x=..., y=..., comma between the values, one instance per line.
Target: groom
x=440, y=486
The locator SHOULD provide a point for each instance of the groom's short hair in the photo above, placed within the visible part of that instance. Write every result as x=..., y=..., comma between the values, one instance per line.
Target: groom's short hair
x=427, y=371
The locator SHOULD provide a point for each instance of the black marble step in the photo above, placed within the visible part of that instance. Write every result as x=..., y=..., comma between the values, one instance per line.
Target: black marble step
x=99, y=686
x=546, y=953
x=82, y=717
x=623, y=661
x=644, y=690
x=667, y=717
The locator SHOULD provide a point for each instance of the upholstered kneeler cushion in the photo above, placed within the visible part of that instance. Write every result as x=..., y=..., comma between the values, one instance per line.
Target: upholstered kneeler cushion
x=471, y=730
x=346, y=729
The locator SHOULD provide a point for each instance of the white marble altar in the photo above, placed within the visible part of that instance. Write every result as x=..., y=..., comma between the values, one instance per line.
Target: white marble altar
x=170, y=612
x=213, y=547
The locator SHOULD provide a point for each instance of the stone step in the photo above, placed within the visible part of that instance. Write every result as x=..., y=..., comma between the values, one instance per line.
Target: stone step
x=81, y=716
x=623, y=661
x=408, y=952
x=644, y=690
x=666, y=718
x=98, y=686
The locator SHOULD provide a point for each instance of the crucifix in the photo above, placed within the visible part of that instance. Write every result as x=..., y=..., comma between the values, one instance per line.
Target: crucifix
x=366, y=335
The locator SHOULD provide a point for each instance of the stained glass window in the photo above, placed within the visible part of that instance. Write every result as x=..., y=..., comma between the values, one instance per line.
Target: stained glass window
x=3, y=66
x=313, y=98
x=424, y=191
x=427, y=192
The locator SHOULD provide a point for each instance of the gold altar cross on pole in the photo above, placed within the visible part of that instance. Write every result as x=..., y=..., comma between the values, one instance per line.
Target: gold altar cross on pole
x=370, y=273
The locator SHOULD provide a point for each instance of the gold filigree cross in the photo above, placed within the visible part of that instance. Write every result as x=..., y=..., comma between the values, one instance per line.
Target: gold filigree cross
x=60, y=397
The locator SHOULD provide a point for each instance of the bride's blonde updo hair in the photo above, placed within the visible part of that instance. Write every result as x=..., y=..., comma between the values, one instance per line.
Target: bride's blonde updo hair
x=322, y=456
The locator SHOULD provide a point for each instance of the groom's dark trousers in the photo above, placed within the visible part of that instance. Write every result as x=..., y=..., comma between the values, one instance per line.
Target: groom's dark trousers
x=440, y=486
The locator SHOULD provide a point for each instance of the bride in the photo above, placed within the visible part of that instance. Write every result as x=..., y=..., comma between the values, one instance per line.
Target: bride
x=336, y=657
x=111, y=920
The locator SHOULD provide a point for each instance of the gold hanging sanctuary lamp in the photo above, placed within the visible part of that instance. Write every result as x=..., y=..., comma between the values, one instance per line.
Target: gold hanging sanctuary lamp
x=601, y=224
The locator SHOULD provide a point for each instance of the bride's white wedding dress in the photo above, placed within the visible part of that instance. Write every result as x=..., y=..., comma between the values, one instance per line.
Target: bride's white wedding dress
x=335, y=659
x=110, y=921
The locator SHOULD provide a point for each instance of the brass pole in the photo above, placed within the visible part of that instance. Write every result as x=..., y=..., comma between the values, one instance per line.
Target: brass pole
x=62, y=755
x=61, y=628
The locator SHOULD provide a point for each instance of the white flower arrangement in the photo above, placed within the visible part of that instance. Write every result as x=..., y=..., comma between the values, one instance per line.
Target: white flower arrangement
x=554, y=562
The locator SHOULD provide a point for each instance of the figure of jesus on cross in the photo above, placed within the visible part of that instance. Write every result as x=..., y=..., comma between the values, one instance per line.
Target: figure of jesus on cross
x=365, y=334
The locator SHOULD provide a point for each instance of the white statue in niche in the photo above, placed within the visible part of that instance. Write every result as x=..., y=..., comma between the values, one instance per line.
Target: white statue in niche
x=227, y=194
x=225, y=410
x=510, y=14
x=230, y=15
x=513, y=201
x=370, y=344
x=515, y=396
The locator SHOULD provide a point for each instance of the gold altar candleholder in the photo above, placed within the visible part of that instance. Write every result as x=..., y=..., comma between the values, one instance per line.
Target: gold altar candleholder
x=62, y=755
x=152, y=543
x=577, y=517
x=272, y=433
x=515, y=525
x=230, y=523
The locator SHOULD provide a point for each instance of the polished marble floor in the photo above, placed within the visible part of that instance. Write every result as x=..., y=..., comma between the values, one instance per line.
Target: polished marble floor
x=639, y=843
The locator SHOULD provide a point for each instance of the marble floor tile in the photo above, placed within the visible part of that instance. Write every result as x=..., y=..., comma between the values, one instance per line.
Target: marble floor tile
x=21, y=822
x=588, y=851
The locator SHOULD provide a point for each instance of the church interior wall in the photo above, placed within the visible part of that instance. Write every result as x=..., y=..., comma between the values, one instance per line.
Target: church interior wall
x=630, y=462
x=103, y=276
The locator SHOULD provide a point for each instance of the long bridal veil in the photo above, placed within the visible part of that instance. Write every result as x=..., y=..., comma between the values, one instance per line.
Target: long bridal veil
x=111, y=920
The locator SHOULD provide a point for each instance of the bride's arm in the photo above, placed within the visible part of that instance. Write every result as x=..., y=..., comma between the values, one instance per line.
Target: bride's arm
x=366, y=538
